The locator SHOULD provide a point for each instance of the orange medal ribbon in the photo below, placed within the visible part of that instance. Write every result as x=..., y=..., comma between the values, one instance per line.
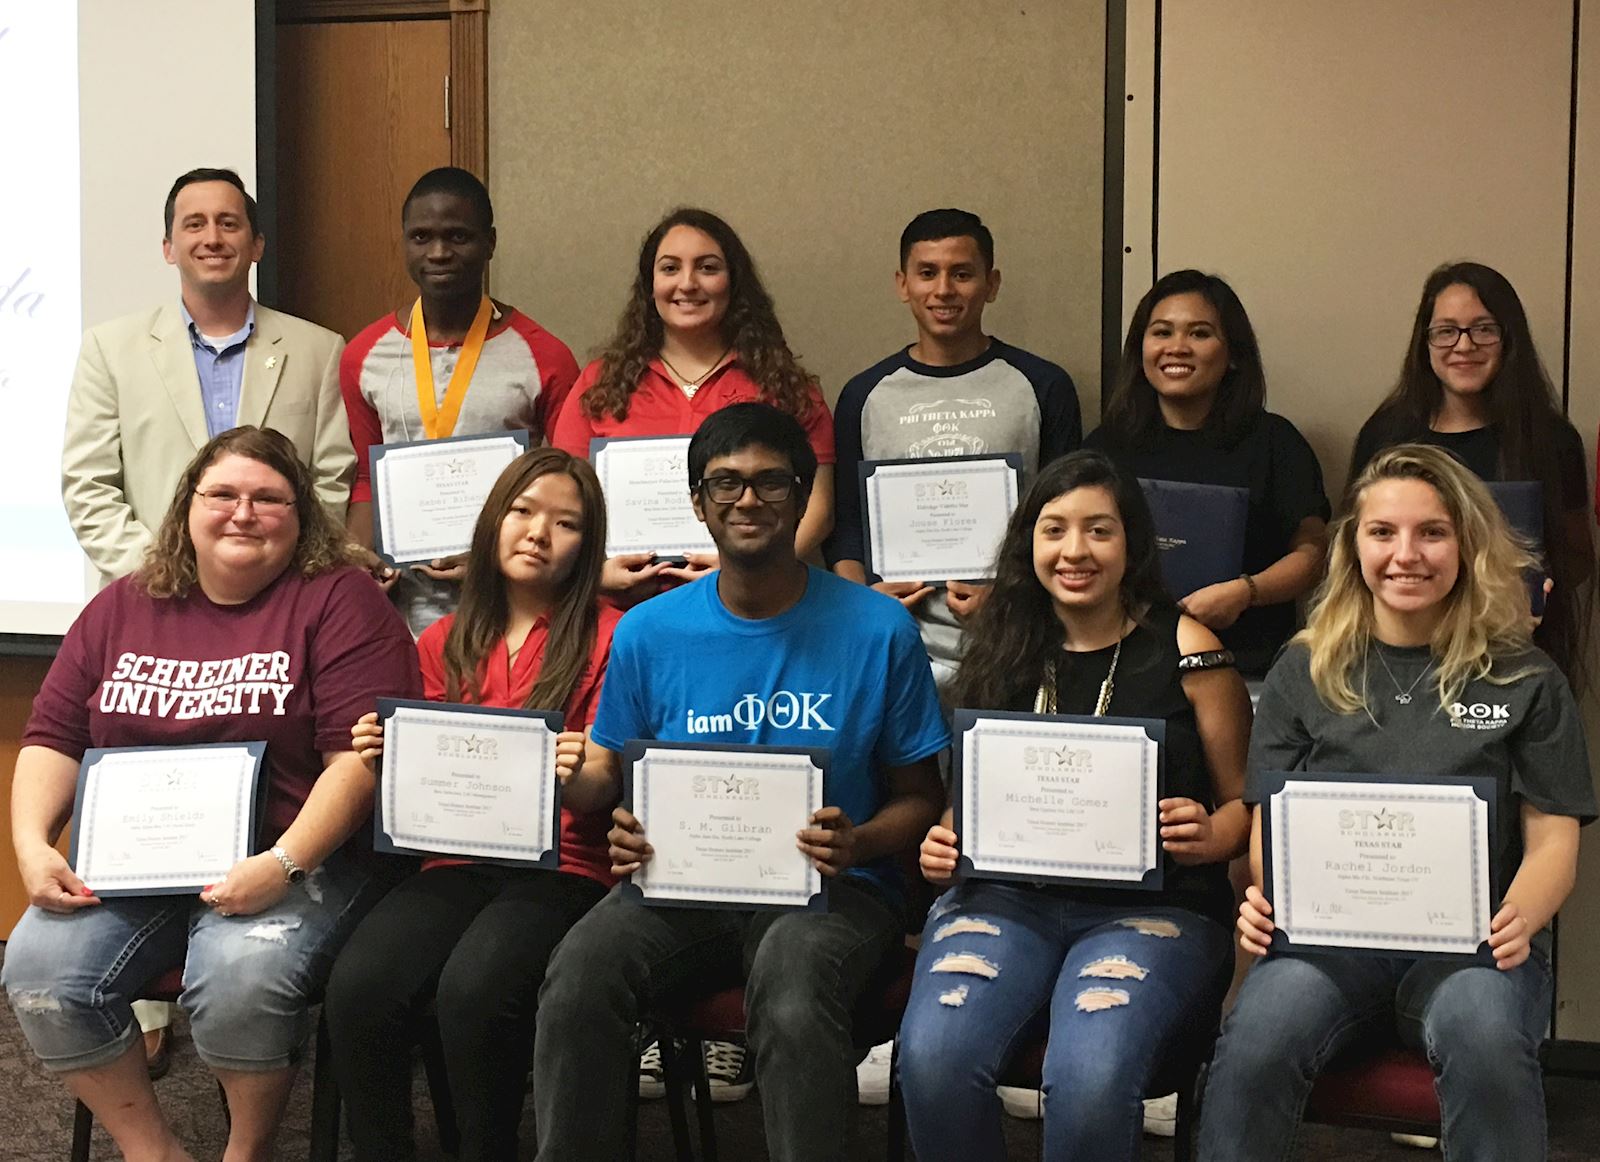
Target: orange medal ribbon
x=439, y=420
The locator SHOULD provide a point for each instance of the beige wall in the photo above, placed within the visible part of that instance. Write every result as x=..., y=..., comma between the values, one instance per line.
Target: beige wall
x=1325, y=158
x=1580, y=934
x=818, y=130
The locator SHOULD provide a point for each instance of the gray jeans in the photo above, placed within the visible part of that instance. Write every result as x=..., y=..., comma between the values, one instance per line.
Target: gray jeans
x=803, y=973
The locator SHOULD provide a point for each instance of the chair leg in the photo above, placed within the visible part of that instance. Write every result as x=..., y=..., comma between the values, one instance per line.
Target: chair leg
x=673, y=1068
x=82, y=1129
x=1183, y=1129
x=702, y=1104
x=897, y=1109
x=444, y=1106
x=324, y=1099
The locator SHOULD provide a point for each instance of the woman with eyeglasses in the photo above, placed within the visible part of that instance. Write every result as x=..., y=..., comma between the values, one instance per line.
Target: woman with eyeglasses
x=1078, y=623
x=1472, y=383
x=473, y=937
x=248, y=621
x=1415, y=662
x=698, y=333
x=1190, y=406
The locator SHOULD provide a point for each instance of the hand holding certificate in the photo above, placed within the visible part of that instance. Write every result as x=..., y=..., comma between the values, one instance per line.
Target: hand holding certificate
x=469, y=781
x=1364, y=863
x=646, y=484
x=722, y=822
x=1059, y=797
x=427, y=494
x=937, y=520
x=152, y=821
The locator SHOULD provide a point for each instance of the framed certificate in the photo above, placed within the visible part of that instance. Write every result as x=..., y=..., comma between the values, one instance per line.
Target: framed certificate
x=426, y=494
x=1378, y=864
x=646, y=484
x=472, y=781
x=1059, y=797
x=937, y=520
x=722, y=820
x=161, y=821
x=1200, y=531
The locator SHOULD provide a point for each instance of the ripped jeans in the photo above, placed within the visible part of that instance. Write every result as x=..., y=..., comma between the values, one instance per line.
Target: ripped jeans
x=997, y=962
x=247, y=980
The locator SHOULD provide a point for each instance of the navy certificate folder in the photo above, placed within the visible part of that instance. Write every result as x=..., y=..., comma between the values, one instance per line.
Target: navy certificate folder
x=1200, y=531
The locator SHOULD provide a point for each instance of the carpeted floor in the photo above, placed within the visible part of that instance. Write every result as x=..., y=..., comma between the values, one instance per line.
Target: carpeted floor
x=36, y=1120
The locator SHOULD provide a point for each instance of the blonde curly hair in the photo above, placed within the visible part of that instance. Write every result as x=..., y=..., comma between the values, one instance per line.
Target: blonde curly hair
x=1486, y=614
x=169, y=568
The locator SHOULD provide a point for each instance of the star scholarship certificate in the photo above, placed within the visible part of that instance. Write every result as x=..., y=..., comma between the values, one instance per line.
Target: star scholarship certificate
x=426, y=494
x=470, y=781
x=152, y=820
x=937, y=520
x=1378, y=864
x=1058, y=797
x=722, y=820
x=648, y=509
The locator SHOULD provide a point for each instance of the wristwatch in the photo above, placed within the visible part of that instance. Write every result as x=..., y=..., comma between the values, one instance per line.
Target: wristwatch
x=292, y=871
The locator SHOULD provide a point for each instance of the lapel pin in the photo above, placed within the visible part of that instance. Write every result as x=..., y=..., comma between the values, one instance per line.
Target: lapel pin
x=272, y=361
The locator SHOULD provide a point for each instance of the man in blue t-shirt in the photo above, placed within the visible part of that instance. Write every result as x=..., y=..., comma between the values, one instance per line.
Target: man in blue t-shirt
x=765, y=650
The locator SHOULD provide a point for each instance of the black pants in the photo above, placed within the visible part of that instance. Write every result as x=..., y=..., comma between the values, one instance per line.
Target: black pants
x=475, y=939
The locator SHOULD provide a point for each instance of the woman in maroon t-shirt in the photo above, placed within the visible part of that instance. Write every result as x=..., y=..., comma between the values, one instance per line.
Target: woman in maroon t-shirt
x=245, y=623
x=475, y=937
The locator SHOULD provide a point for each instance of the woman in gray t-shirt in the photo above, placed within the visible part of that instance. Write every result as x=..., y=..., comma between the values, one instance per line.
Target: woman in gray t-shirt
x=1416, y=661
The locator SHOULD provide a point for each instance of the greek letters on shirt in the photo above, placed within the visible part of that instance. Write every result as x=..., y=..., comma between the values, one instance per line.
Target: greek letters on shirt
x=937, y=425
x=152, y=687
x=784, y=710
x=1480, y=715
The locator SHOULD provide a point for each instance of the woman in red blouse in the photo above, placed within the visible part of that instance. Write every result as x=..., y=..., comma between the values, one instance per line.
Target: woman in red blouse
x=473, y=937
x=699, y=333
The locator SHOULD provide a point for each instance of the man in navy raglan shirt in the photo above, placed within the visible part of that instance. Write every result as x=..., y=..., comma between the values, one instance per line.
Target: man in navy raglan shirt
x=954, y=392
x=764, y=630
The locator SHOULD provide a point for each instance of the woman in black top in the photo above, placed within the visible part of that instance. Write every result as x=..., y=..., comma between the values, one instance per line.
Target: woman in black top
x=1189, y=406
x=1472, y=383
x=1078, y=623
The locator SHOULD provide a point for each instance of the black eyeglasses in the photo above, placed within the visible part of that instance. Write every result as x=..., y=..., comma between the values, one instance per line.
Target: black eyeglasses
x=1448, y=334
x=770, y=487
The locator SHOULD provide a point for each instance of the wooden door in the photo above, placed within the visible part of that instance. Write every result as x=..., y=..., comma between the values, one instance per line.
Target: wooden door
x=20, y=679
x=361, y=116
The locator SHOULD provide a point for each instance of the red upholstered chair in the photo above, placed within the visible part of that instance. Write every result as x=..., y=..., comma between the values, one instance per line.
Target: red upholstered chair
x=1382, y=1087
x=719, y=1016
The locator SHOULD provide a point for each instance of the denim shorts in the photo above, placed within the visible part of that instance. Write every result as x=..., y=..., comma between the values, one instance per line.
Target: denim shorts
x=247, y=980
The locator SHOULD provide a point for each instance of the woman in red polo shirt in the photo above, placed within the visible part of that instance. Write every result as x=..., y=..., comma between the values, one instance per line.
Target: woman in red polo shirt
x=699, y=333
x=530, y=632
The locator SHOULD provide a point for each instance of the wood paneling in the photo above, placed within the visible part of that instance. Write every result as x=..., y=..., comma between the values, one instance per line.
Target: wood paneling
x=469, y=91
x=360, y=118
x=19, y=681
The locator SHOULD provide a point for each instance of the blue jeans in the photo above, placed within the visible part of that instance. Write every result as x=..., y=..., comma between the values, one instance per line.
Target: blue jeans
x=1001, y=965
x=803, y=972
x=1480, y=1028
x=247, y=980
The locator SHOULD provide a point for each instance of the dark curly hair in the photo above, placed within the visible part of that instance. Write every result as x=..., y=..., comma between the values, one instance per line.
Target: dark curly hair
x=750, y=327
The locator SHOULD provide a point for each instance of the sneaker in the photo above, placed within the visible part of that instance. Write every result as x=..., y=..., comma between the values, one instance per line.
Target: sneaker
x=1027, y=1104
x=652, y=1078
x=1161, y=1116
x=872, y=1075
x=729, y=1070
x=1419, y=1141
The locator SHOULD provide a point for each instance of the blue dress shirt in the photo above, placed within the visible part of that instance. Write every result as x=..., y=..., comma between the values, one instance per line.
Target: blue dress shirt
x=220, y=365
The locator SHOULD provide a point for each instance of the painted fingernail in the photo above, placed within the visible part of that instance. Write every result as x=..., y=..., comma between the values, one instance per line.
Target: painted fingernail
x=85, y=891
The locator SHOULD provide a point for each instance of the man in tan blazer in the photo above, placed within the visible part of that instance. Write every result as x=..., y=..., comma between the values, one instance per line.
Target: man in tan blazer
x=151, y=388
